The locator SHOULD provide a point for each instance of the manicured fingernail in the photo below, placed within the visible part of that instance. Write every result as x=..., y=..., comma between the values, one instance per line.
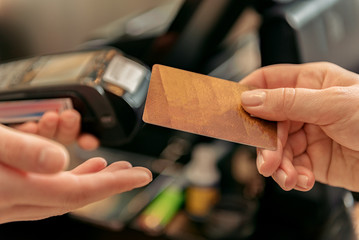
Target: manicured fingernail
x=253, y=98
x=302, y=181
x=281, y=177
x=52, y=159
x=260, y=159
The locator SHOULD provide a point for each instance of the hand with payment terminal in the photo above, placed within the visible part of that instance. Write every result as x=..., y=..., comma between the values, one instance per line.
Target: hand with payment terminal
x=99, y=91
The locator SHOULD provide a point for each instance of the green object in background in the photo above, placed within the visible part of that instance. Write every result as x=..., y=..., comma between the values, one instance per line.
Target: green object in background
x=161, y=210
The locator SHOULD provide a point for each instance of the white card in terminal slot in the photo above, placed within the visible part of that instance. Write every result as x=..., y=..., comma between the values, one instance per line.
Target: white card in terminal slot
x=20, y=111
x=124, y=73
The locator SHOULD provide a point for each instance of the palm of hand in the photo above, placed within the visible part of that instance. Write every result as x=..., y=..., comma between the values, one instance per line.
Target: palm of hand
x=331, y=161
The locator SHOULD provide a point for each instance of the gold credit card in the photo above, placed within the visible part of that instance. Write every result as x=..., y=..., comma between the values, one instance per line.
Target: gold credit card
x=204, y=105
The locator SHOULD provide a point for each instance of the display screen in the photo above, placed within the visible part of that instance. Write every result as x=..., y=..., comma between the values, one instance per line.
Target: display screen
x=61, y=68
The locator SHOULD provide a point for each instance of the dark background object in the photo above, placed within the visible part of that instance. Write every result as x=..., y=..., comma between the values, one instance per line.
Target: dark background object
x=307, y=31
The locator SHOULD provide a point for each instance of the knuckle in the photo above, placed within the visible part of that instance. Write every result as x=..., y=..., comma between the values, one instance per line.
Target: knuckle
x=314, y=73
x=308, y=73
x=289, y=100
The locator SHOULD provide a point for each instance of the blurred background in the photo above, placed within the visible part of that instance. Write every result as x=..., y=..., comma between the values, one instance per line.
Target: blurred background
x=223, y=196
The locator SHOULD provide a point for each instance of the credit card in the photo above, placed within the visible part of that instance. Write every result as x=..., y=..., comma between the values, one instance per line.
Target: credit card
x=204, y=105
x=20, y=111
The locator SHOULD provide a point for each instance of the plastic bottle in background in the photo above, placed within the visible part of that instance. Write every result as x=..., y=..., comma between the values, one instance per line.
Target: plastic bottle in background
x=203, y=178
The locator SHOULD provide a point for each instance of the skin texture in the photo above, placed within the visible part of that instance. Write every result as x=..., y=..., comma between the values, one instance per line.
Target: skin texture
x=316, y=106
x=34, y=183
x=64, y=128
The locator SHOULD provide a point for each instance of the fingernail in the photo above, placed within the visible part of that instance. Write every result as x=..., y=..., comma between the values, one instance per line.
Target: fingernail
x=260, y=159
x=50, y=123
x=52, y=160
x=281, y=177
x=71, y=120
x=253, y=98
x=104, y=162
x=302, y=181
x=127, y=165
x=149, y=174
